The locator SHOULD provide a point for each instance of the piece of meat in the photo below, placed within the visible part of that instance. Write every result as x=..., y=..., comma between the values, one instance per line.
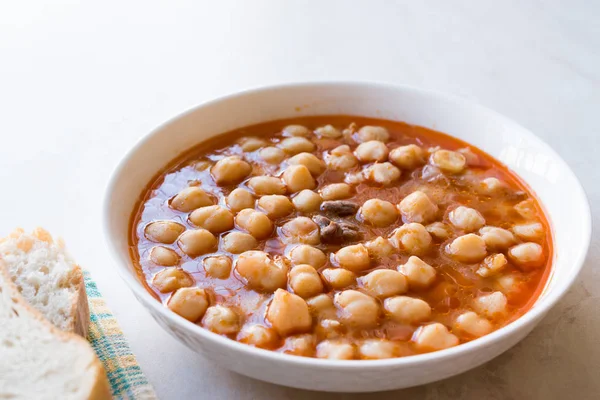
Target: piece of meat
x=336, y=232
x=341, y=208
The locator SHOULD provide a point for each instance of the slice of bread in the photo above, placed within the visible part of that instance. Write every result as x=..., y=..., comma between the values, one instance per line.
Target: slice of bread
x=47, y=278
x=38, y=361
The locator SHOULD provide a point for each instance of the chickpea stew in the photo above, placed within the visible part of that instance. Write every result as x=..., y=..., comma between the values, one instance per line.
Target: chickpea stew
x=341, y=237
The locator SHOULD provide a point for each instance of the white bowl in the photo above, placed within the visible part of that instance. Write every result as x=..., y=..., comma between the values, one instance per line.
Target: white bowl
x=546, y=173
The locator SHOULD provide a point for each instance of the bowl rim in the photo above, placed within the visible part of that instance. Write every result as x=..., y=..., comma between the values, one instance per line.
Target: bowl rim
x=533, y=314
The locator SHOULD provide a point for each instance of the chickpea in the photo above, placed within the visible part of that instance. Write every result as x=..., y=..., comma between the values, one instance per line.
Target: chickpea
x=249, y=144
x=491, y=185
x=222, y=320
x=341, y=159
x=368, y=133
x=491, y=305
x=372, y=151
x=336, y=191
x=379, y=213
x=448, y=161
x=418, y=273
x=305, y=254
x=301, y=230
x=261, y=272
x=439, y=230
x=321, y=306
x=418, y=207
x=434, y=337
x=467, y=219
x=288, y=313
x=533, y=231
x=258, y=336
x=238, y=242
x=296, y=130
x=264, y=185
x=297, y=178
x=527, y=255
x=190, y=198
x=496, y=238
x=230, y=170
x=215, y=219
x=491, y=265
x=339, y=278
x=255, y=223
x=272, y=155
x=307, y=201
x=190, y=303
x=202, y=165
x=310, y=161
x=165, y=232
x=329, y=329
x=472, y=324
x=382, y=173
x=328, y=131
x=412, y=238
x=300, y=345
x=354, y=257
x=305, y=281
x=468, y=248
x=407, y=310
x=384, y=283
x=196, y=242
x=526, y=209
x=408, y=157
x=508, y=283
x=379, y=247
x=164, y=256
x=296, y=144
x=276, y=206
x=357, y=309
x=218, y=266
x=378, y=349
x=335, y=350
x=354, y=178
x=170, y=279
x=239, y=199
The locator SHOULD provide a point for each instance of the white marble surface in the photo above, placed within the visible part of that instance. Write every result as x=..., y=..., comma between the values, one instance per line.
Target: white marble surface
x=80, y=82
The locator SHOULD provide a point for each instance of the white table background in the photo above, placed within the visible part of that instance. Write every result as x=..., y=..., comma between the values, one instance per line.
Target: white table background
x=81, y=81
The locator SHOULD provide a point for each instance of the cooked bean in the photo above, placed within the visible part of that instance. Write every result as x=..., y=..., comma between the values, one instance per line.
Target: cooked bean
x=165, y=232
x=379, y=213
x=378, y=349
x=492, y=265
x=218, y=266
x=288, y=314
x=527, y=255
x=215, y=219
x=354, y=258
x=336, y=191
x=379, y=247
x=434, y=337
x=321, y=306
x=264, y=185
x=341, y=159
x=295, y=145
x=249, y=144
x=238, y=242
x=491, y=185
x=222, y=320
x=301, y=230
x=170, y=279
x=254, y=222
x=328, y=131
x=239, y=199
x=335, y=350
x=341, y=208
x=258, y=336
x=272, y=155
x=417, y=207
x=448, y=161
x=468, y=248
x=307, y=201
x=310, y=161
x=305, y=254
x=526, y=209
x=491, y=305
x=164, y=256
x=382, y=173
x=412, y=238
x=190, y=303
x=300, y=345
x=384, y=283
x=260, y=271
x=472, y=324
x=408, y=157
x=276, y=206
x=196, y=242
x=305, y=281
x=230, y=170
x=407, y=310
x=296, y=130
x=372, y=151
x=418, y=273
x=297, y=178
x=367, y=133
x=190, y=198
x=357, y=309
x=339, y=278
x=533, y=231
x=467, y=219
x=439, y=230
x=496, y=238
